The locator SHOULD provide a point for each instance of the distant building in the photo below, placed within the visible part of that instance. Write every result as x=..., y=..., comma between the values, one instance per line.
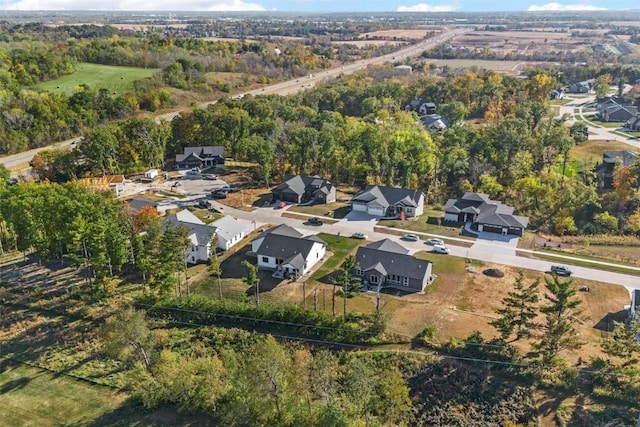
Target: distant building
x=200, y=157
x=305, y=189
x=420, y=106
x=611, y=159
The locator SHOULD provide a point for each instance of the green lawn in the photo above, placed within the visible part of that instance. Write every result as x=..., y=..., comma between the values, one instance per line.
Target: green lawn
x=429, y=222
x=341, y=247
x=335, y=209
x=114, y=79
x=589, y=153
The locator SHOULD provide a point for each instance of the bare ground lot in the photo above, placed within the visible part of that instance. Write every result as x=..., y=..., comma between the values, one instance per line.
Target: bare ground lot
x=408, y=34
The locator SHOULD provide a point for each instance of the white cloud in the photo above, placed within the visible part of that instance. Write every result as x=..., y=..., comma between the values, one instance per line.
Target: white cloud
x=163, y=5
x=563, y=7
x=423, y=7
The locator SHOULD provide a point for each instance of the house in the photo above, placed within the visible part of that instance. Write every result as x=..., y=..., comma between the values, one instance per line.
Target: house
x=229, y=231
x=617, y=113
x=287, y=252
x=602, y=103
x=634, y=308
x=434, y=123
x=305, y=189
x=387, y=264
x=485, y=214
x=199, y=233
x=389, y=201
x=633, y=124
x=201, y=157
x=420, y=106
x=557, y=94
x=581, y=87
x=611, y=159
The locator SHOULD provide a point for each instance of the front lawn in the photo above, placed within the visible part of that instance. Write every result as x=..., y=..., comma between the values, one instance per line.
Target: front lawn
x=334, y=210
x=430, y=222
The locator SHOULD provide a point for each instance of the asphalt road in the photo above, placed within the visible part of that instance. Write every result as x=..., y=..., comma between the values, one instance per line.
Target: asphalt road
x=283, y=88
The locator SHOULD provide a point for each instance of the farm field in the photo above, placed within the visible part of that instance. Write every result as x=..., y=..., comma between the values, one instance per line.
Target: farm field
x=115, y=79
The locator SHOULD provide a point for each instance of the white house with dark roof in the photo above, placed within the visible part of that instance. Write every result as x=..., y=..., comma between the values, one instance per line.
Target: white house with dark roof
x=386, y=263
x=388, y=201
x=229, y=232
x=305, y=189
x=287, y=252
x=199, y=233
x=201, y=157
x=485, y=214
x=634, y=308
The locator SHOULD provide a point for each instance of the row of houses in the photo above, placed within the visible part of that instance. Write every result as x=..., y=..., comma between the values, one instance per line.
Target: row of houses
x=615, y=109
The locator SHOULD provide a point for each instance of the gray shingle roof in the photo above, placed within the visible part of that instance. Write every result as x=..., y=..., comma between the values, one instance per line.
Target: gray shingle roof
x=201, y=153
x=388, y=245
x=388, y=196
x=298, y=184
x=490, y=212
x=374, y=256
x=228, y=227
x=285, y=247
x=200, y=234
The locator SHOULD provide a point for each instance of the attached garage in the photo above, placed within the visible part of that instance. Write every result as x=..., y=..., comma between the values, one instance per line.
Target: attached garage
x=360, y=207
x=376, y=210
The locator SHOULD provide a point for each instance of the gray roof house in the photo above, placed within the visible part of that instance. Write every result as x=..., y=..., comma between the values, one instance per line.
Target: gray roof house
x=617, y=113
x=387, y=264
x=305, y=189
x=389, y=201
x=633, y=123
x=420, y=106
x=434, y=123
x=287, y=252
x=604, y=170
x=201, y=157
x=229, y=231
x=485, y=214
x=138, y=203
x=581, y=87
x=199, y=233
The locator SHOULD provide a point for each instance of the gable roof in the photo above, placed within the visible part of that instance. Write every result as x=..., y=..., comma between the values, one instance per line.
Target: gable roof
x=377, y=256
x=281, y=230
x=186, y=216
x=286, y=247
x=375, y=195
x=491, y=212
x=138, y=203
x=626, y=157
x=228, y=227
x=298, y=184
x=469, y=202
x=200, y=234
x=200, y=153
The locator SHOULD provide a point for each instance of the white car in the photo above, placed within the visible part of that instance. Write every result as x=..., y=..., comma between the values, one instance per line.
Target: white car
x=433, y=242
x=440, y=249
x=359, y=236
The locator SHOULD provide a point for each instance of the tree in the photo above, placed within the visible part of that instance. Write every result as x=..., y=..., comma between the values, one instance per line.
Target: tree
x=601, y=86
x=561, y=313
x=214, y=264
x=125, y=335
x=5, y=174
x=519, y=310
x=251, y=279
x=346, y=279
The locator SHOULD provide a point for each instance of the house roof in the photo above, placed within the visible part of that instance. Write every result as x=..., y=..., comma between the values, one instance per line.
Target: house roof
x=635, y=299
x=375, y=195
x=296, y=261
x=388, y=245
x=375, y=257
x=626, y=157
x=298, y=184
x=286, y=247
x=281, y=230
x=228, y=227
x=200, y=153
x=138, y=203
x=186, y=216
x=199, y=234
x=490, y=212
x=618, y=109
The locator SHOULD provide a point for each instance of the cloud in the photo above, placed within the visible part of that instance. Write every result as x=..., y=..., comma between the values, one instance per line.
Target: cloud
x=563, y=7
x=162, y=5
x=423, y=7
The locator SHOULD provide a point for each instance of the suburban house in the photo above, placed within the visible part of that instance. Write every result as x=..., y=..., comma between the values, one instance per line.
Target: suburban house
x=485, y=214
x=634, y=308
x=200, y=157
x=387, y=264
x=287, y=252
x=617, y=113
x=229, y=231
x=389, y=201
x=113, y=183
x=633, y=124
x=420, y=106
x=434, y=123
x=611, y=159
x=602, y=103
x=581, y=87
x=305, y=189
x=199, y=233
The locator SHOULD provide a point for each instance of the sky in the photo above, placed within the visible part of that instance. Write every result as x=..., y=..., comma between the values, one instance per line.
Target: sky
x=322, y=5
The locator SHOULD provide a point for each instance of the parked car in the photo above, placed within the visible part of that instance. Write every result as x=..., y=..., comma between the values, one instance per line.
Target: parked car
x=561, y=270
x=433, y=242
x=219, y=194
x=358, y=236
x=440, y=249
x=209, y=176
x=410, y=237
x=228, y=188
x=315, y=221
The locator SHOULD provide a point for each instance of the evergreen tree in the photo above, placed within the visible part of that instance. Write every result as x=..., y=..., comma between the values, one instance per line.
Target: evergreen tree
x=519, y=310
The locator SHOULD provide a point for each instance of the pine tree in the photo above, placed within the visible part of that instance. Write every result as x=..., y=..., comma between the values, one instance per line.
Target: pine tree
x=519, y=310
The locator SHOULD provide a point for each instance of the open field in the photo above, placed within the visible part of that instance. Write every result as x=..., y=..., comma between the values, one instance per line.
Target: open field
x=408, y=34
x=587, y=154
x=362, y=43
x=115, y=79
x=513, y=67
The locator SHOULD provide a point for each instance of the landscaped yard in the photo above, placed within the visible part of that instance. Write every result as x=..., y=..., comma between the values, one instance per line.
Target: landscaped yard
x=115, y=79
x=430, y=222
x=334, y=210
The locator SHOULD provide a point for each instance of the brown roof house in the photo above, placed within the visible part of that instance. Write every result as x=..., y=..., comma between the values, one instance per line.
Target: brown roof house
x=386, y=264
x=485, y=214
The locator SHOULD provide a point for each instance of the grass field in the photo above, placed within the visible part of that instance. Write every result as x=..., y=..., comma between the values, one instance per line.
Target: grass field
x=115, y=79
x=586, y=155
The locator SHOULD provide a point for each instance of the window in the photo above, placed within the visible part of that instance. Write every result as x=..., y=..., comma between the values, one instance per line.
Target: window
x=405, y=281
x=265, y=259
x=373, y=279
x=359, y=272
x=193, y=259
x=193, y=248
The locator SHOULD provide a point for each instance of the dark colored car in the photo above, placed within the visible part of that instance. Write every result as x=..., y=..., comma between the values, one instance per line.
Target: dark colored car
x=219, y=194
x=315, y=221
x=227, y=189
x=561, y=270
